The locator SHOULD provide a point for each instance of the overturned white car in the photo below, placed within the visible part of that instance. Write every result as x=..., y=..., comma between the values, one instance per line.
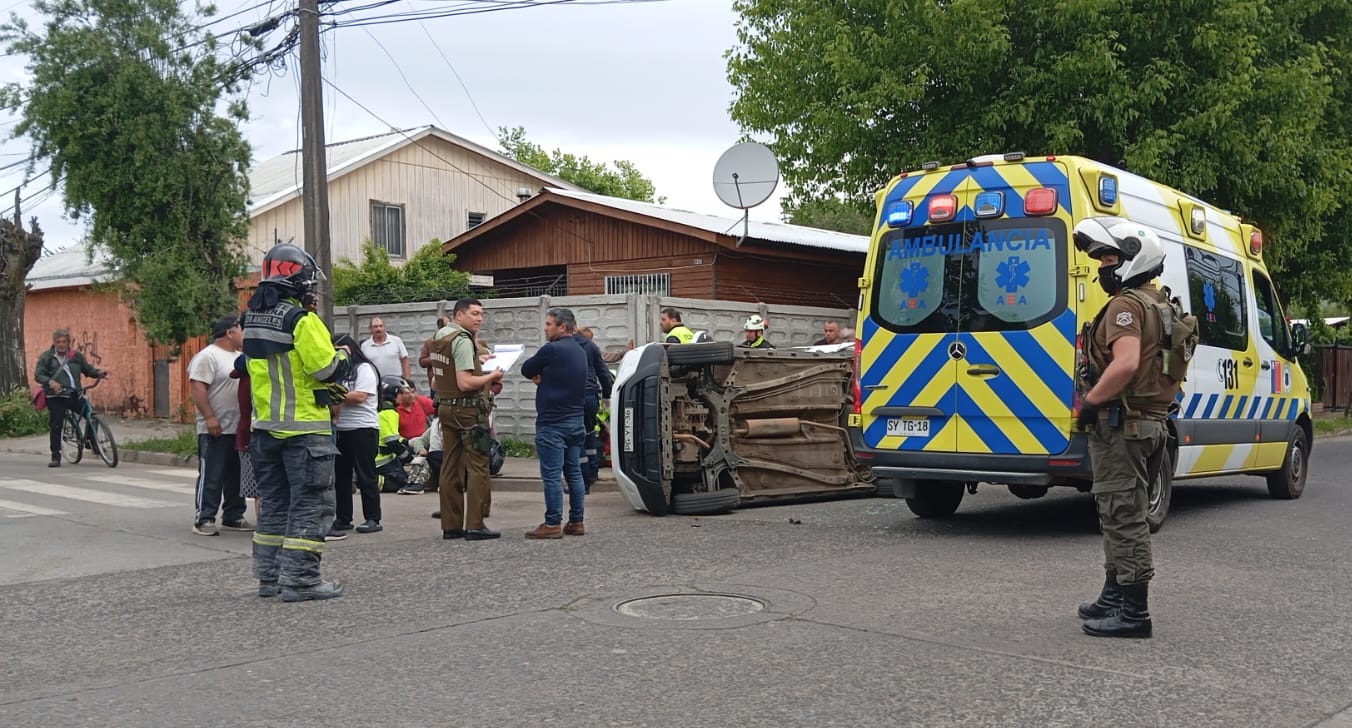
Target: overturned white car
x=699, y=429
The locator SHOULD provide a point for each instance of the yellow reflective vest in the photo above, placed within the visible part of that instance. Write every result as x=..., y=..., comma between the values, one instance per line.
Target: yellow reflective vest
x=389, y=433
x=683, y=334
x=290, y=359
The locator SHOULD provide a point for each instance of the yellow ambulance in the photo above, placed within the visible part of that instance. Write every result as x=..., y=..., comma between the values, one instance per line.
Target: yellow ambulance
x=970, y=312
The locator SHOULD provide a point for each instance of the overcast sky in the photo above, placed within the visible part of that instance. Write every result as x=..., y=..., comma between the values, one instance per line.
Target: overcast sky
x=642, y=81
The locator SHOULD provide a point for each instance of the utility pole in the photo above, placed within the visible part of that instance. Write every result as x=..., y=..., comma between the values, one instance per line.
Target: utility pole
x=315, y=180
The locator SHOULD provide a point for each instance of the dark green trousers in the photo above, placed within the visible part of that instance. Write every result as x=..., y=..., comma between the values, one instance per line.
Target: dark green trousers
x=1125, y=461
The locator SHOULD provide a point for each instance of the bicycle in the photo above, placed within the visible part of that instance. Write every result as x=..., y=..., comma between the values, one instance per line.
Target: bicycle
x=84, y=427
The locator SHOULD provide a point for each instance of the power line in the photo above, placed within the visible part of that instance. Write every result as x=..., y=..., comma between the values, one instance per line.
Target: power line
x=456, y=73
x=411, y=90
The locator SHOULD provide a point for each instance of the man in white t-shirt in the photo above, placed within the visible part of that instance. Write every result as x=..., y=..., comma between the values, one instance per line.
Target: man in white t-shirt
x=215, y=395
x=386, y=350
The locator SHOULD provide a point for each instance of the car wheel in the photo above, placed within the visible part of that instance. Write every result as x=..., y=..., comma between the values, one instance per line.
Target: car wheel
x=705, y=504
x=1289, y=482
x=936, y=499
x=718, y=352
x=1161, y=492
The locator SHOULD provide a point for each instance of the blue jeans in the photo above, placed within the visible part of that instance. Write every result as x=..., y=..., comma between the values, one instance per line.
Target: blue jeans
x=560, y=449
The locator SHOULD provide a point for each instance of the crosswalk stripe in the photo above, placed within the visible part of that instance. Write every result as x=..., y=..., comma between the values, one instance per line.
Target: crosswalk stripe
x=83, y=494
x=25, y=510
x=180, y=488
x=183, y=473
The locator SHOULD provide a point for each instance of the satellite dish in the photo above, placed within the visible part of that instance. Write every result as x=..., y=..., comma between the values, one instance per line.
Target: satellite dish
x=746, y=175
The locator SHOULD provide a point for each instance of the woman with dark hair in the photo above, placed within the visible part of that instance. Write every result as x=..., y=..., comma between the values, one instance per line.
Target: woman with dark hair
x=358, y=427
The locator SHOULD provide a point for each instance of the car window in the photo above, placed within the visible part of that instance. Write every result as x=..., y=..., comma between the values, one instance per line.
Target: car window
x=1271, y=323
x=1216, y=287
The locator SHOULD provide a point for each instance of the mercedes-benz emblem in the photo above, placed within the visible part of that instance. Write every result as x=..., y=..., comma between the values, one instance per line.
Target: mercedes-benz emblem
x=957, y=350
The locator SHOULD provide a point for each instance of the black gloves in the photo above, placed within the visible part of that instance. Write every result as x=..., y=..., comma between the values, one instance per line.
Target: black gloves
x=1088, y=417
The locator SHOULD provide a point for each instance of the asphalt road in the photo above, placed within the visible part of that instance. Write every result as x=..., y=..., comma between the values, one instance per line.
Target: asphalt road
x=846, y=613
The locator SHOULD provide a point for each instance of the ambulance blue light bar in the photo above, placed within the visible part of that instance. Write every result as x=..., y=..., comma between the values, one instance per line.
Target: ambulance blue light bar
x=1107, y=190
x=990, y=204
x=899, y=214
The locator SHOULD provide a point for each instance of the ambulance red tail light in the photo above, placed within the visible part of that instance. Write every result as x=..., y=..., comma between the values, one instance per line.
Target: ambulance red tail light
x=943, y=207
x=858, y=391
x=1256, y=243
x=1041, y=201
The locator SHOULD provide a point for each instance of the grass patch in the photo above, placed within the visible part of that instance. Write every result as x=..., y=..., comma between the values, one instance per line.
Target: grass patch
x=517, y=448
x=184, y=444
x=1329, y=424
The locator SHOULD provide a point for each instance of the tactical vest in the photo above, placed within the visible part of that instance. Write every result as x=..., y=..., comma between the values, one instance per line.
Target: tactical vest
x=683, y=335
x=1150, y=391
x=443, y=366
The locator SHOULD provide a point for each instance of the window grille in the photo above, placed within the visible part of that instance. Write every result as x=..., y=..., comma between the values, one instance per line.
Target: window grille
x=640, y=284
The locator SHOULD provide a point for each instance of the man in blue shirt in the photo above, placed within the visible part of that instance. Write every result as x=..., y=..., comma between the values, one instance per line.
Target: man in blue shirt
x=559, y=370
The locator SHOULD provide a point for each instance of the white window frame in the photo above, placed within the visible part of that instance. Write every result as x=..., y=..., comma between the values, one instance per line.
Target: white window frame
x=384, y=235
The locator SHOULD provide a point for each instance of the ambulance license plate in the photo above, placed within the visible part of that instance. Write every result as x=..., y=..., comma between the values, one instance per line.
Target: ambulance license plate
x=908, y=427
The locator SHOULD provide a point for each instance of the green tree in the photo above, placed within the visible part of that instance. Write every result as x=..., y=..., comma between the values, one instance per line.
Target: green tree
x=1243, y=104
x=428, y=276
x=623, y=181
x=122, y=101
x=830, y=213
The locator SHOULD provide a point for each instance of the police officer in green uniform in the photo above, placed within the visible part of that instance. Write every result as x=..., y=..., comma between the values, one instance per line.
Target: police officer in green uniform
x=1125, y=401
x=293, y=370
x=462, y=407
x=673, y=331
x=755, y=334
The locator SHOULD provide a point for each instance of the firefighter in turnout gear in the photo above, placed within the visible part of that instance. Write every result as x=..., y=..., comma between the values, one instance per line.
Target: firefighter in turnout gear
x=755, y=334
x=1125, y=399
x=293, y=372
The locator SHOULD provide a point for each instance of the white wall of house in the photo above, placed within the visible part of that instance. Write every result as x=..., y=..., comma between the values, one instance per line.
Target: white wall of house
x=436, y=183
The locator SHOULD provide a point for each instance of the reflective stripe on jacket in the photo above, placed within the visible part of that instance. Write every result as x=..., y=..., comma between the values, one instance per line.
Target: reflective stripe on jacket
x=290, y=357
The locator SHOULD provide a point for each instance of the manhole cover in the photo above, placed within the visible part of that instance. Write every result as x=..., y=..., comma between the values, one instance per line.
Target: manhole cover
x=690, y=607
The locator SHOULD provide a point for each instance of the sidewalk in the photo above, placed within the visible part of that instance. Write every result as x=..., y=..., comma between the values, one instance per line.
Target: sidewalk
x=521, y=474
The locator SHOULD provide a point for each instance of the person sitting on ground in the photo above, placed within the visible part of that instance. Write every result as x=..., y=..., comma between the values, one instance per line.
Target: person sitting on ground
x=393, y=452
x=414, y=411
x=428, y=447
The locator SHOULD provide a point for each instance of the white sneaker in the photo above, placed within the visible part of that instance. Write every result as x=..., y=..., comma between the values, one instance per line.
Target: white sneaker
x=205, y=528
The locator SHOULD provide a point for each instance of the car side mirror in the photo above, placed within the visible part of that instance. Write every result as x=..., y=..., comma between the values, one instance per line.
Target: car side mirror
x=1300, y=339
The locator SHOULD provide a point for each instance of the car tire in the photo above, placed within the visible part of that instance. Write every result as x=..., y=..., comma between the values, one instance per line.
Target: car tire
x=705, y=504
x=1289, y=482
x=936, y=499
x=718, y=352
x=1161, y=492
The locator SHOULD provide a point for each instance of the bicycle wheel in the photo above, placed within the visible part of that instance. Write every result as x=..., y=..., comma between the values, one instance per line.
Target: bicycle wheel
x=104, y=443
x=72, y=444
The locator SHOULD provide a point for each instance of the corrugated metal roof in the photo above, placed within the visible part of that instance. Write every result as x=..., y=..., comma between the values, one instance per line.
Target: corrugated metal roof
x=66, y=268
x=278, y=180
x=776, y=232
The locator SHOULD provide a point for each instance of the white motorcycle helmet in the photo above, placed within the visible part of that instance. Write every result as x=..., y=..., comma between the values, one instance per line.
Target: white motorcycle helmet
x=1139, y=249
x=754, y=323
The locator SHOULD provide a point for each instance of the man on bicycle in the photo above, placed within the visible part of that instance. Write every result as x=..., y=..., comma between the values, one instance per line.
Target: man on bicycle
x=58, y=372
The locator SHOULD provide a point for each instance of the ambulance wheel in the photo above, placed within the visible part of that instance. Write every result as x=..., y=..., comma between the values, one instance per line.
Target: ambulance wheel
x=1289, y=482
x=718, y=352
x=1161, y=492
x=936, y=498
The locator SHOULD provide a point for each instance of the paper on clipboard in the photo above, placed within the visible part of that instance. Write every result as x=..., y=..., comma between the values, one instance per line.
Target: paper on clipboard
x=504, y=357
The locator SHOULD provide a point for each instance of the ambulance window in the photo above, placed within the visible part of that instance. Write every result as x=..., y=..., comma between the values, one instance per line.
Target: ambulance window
x=1019, y=274
x=1216, y=287
x=910, y=284
x=1271, y=324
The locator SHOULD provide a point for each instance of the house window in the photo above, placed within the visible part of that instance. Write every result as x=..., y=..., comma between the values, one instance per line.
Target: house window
x=474, y=219
x=387, y=227
x=641, y=284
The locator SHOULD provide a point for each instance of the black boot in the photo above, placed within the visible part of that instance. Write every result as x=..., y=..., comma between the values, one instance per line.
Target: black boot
x=1108, y=602
x=1132, y=620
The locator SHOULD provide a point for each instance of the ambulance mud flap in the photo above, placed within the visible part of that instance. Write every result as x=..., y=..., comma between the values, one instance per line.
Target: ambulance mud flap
x=640, y=455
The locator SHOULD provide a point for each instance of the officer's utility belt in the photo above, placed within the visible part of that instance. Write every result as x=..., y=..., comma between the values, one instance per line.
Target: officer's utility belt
x=1115, y=414
x=461, y=401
